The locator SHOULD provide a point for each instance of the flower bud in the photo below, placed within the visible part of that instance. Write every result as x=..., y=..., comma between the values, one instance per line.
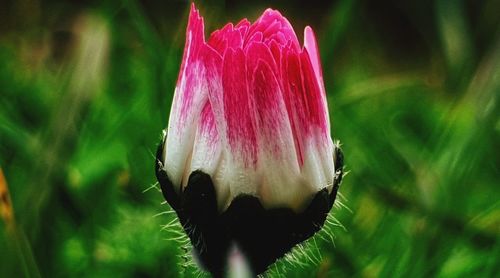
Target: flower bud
x=248, y=160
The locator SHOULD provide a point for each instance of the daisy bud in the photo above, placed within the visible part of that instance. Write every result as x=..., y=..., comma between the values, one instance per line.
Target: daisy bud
x=247, y=159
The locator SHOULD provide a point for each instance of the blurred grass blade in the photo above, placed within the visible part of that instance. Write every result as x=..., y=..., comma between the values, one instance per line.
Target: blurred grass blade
x=14, y=235
x=5, y=203
x=456, y=41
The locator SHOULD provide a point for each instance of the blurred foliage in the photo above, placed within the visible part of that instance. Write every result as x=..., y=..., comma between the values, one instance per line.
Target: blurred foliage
x=413, y=87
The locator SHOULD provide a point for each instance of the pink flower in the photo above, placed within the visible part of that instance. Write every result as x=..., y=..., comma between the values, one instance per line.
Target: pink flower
x=250, y=113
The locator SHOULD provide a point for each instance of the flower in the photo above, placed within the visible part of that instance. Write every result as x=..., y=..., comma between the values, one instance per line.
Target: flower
x=247, y=158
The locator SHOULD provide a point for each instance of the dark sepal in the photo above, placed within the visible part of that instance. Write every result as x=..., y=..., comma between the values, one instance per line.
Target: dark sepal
x=338, y=157
x=263, y=235
x=201, y=222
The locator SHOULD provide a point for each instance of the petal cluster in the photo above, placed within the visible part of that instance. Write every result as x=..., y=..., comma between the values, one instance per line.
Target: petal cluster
x=250, y=110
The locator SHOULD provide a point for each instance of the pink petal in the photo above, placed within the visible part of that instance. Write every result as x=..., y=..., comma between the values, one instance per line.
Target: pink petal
x=272, y=28
x=311, y=47
x=316, y=104
x=276, y=37
x=189, y=114
x=243, y=27
x=239, y=110
x=276, y=52
x=272, y=120
x=272, y=22
x=255, y=37
x=295, y=100
x=280, y=182
x=256, y=52
x=207, y=147
x=227, y=37
x=217, y=41
x=195, y=37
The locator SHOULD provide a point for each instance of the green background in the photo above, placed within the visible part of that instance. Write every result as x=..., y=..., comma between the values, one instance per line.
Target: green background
x=413, y=89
